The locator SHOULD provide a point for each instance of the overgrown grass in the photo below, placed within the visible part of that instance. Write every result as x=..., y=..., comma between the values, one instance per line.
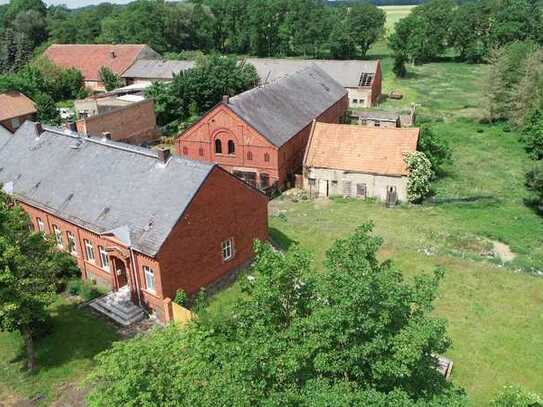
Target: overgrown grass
x=64, y=357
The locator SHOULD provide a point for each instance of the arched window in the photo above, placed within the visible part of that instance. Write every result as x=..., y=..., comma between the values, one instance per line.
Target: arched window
x=218, y=146
x=185, y=151
x=267, y=157
x=231, y=147
x=249, y=155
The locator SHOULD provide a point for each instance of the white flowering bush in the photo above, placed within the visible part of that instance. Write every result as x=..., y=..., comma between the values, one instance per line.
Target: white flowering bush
x=420, y=175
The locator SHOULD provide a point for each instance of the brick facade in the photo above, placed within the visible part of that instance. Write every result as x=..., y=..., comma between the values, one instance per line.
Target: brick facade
x=253, y=152
x=191, y=257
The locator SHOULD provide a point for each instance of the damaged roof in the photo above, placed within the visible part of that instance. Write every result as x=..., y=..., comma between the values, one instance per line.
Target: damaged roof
x=100, y=185
x=281, y=109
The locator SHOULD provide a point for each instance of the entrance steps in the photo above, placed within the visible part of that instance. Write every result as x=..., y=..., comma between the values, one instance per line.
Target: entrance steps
x=118, y=306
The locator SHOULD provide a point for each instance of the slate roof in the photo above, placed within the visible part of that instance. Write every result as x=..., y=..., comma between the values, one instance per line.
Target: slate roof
x=100, y=185
x=347, y=73
x=89, y=58
x=373, y=150
x=15, y=104
x=4, y=131
x=281, y=109
x=156, y=69
x=377, y=115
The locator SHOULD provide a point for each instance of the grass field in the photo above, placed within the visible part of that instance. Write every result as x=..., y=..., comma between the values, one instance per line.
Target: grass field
x=64, y=357
x=493, y=309
x=395, y=14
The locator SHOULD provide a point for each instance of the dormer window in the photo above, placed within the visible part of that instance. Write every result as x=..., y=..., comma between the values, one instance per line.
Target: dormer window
x=218, y=146
x=231, y=147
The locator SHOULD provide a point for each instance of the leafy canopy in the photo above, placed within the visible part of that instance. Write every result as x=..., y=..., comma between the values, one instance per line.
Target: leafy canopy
x=355, y=334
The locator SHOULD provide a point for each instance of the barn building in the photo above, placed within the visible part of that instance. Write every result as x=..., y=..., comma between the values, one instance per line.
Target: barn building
x=136, y=220
x=15, y=108
x=90, y=58
x=260, y=135
x=359, y=162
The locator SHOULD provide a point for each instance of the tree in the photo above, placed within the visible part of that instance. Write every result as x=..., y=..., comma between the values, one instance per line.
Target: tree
x=435, y=148
x=111, y=79
x=420, y=176
x=29, y=267
x=534, y=183
x=532, y=134
x=399, y=68
x=342, y=44
x=357, y=333
x=515, y=396
x=366, y=23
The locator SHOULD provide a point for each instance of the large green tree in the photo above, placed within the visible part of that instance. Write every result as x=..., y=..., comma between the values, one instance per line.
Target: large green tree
x=30, y=268
x=366, y=23
x=357, y=333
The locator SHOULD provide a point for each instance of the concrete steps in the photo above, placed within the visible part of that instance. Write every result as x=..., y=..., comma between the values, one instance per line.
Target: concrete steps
x=119, y=307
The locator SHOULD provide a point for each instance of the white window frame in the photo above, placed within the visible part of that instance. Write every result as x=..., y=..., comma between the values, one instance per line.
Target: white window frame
x=89, y=251
x=104, y=259
x=71, y=242
x=149, y=279
x=227, y=249
x=58, y=236
x=41, y=225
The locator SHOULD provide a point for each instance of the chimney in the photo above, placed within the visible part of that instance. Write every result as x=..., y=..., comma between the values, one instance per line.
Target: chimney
x=163, y=155
x=106, y=135
x=39, y=129
x=226, y=99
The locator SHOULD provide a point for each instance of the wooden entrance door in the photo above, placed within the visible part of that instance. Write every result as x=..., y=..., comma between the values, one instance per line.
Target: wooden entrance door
x=392, y=196
x=120, y=272
x=323, y=187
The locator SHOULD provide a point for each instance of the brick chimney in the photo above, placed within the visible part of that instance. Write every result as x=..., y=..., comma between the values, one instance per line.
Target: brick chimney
x=39, y=128
x=106, y=135
x=226, y=99
x=163, y=155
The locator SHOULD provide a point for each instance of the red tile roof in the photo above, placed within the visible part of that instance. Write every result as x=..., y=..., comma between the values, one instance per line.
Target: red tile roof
x=373, y=150
x=15, y=104
x=89, y=58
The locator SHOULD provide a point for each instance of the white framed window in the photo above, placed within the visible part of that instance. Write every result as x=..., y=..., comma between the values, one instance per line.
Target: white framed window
x=58, y=237
x=89, y=250
x=72, y=248
x=41, y=225
x=227, y=249
x=149, y=278
x=104, y=259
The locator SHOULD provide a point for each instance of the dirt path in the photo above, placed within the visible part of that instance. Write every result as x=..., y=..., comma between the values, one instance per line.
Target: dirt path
x=503, y=251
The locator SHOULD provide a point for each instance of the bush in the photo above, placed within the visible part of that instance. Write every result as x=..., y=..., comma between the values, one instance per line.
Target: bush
x=74, y=287
x=515, y=396
x=89, y=292
x=532, y=134
x=420, y=175
x=181, y=298
x=111, y=79
x=436, y=149
x=534, y=182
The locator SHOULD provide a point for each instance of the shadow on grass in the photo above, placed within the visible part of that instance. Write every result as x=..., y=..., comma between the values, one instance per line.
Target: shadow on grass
x=278, y=238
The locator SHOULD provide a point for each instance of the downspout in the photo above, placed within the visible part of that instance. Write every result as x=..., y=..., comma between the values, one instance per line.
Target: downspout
x=135, y=275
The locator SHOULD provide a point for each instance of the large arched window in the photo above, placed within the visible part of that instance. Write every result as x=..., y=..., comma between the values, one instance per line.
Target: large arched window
x=231, y=147
x=218, y=146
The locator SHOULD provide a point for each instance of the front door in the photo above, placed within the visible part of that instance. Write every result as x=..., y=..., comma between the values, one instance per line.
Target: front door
x=120, y=272
x=323, y=187
x=392, y=196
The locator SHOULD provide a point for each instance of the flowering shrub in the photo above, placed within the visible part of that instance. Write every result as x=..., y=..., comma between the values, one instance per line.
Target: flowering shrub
x=420, y=174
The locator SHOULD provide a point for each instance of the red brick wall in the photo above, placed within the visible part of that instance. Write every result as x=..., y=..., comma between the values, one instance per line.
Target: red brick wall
x=22, y=119
x=224, y=208
x=133, y=124
x=221, y=123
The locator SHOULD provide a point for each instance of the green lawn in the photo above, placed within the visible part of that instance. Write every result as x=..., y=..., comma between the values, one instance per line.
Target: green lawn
x=64, y=357
x=395, y=14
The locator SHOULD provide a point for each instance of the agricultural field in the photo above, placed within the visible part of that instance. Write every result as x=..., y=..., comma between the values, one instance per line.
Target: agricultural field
x=395, y=14
x=492, y=304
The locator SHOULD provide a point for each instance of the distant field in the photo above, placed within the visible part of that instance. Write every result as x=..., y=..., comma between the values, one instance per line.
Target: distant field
x=395, y=14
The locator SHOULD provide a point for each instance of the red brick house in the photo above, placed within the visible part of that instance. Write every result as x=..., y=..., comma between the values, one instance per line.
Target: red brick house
x=133, y=218
x=89, y=58
x=260, y=135
x=15, y=108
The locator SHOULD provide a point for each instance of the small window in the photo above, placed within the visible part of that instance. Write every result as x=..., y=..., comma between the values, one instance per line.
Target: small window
x=71, y=243
x=58, y=237
x=149, y=278
x=104, y=259
x=185, y=151
x=264, y=180
x=249, y=156
x=363, y=122
x=227, y=250
x=267, y=157
x=201, y=152
x=355, y=101
x=89, y=250
x=312, y=182
x=218, y=146
x=15, y=122
x=231, y=147
x=377, y=123
x=347, y=188
x=361, y=190
x=41, y=225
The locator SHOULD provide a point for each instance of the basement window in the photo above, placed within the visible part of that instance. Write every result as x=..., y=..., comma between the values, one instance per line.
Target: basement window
x=227, y=249
x=149, y=278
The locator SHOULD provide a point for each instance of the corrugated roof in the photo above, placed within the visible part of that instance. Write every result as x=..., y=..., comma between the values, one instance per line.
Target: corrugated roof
x=156, y=69
x=100, y=185
x=89, y=58
x=347, y=73
x=373, y=150
x=281, y=109
x=15, y=104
